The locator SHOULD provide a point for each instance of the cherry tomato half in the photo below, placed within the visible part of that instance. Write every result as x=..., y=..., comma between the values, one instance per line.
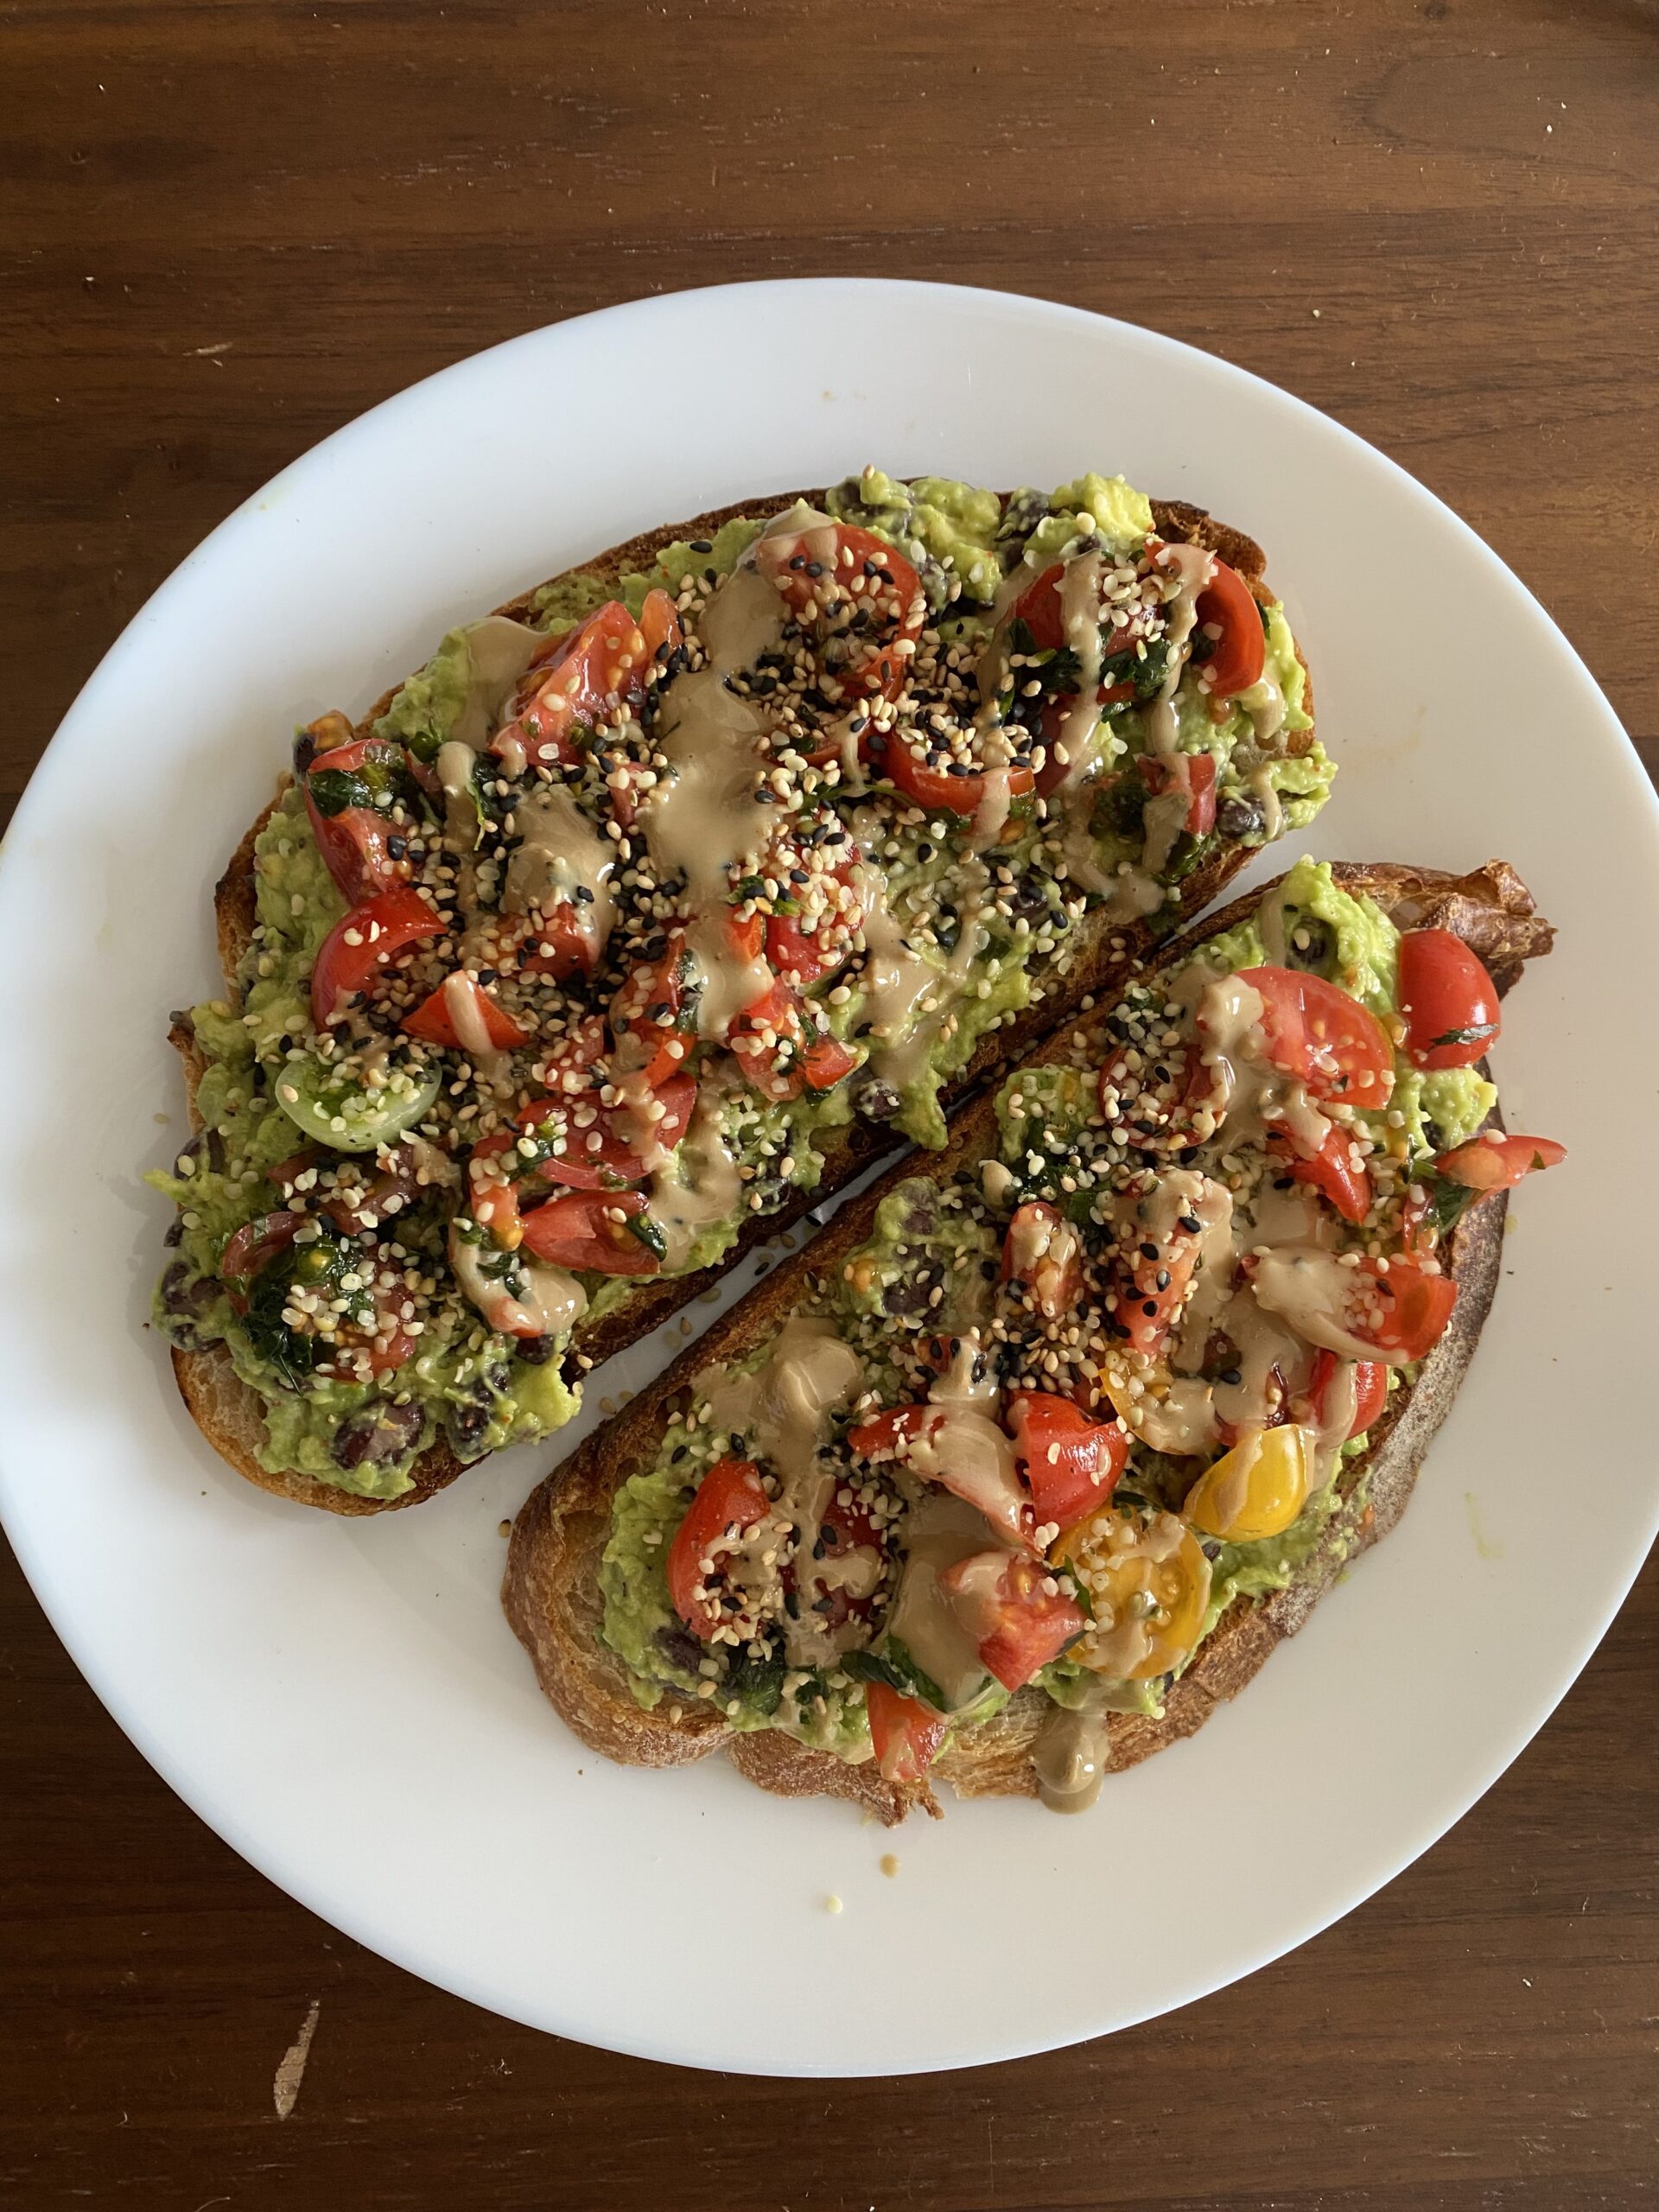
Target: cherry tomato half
x=434, y=1019
x=1449, y=1000
x=933, y=786
x=1497, y=1163
x=1409, y=1308
x=354, y=837
x=361, y=943
x=1370, y=1390
x=730, y=1498
x=1017, y=1625
x=1332, y=1170
x=906, y=1732
x=1194, y=774
x=1043, y=1253
x=1227, y=606
x=588, y=1231
x=1071, y=1464
x=1317, y=1032
x=827, y=569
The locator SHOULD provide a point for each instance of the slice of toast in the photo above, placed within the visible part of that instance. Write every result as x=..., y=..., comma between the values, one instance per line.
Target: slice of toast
x=552, y=1588
x=229, y=1412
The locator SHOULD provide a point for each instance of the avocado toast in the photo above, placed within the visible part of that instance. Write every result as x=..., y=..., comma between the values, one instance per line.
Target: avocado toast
x=657, y=905
x=1038, y=1451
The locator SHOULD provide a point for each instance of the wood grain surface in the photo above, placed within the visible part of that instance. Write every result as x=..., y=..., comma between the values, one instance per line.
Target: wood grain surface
x=226, y=229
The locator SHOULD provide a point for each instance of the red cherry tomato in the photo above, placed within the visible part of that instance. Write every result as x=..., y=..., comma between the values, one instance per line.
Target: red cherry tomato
x=730, y=1498
x=763, y=1038
x=975, y=1477
x=1071, y=1464
x=1158, y=1115
x=1227, y=606
x=803, y=957
x=253, y=1247
x=934, y=788
x=601, y=1157
x=1370, y=1390
x=1314, y=1031
x=826, y=1062
x=827, y=569
x=798, y=957
x=659, y=625
x=588, y=1231
x=883, y=1433
x=1043, y=1253
x=1017, y=1623
x=1498, y=1162
x=1150, y=1289
x=746, y=934
x=1406, y=1309
x=655, y=1008
x=1448, y=1000
x=385, y=1355
x=494, y=1202
x=906, y=1732
x=1194, y=774
x=388, y=1192
x=564, y=942
x=585, y=678
x=355, y=841
x=1332, y=1170
x=361, y=943
x=434, y=1019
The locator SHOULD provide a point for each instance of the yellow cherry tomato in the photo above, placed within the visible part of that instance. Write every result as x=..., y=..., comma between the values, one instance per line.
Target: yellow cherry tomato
x=1148, y=1582
x=1257, y=1489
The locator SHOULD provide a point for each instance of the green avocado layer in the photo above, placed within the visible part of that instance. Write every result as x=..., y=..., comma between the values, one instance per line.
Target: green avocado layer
x=923, y=1232
x=467, y=1383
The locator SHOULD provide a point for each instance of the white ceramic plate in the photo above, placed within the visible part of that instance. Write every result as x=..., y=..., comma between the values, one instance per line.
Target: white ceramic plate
x=341, y=1700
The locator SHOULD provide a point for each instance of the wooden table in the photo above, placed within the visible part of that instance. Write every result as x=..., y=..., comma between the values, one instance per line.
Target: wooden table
x=227, y=229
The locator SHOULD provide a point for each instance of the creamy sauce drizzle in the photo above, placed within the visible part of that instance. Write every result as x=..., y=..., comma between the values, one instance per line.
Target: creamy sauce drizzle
x=498, y=651
x=784, y=1409
x=699, y=1185
x=561, y=857
x=940, y=1531
x=704, y=817
x=1194, y=567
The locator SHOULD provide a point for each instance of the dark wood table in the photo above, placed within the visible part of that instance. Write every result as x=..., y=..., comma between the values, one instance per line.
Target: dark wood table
x=226, y=229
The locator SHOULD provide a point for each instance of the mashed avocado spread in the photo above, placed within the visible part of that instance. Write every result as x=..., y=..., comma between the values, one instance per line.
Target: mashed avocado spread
x=1108, y=1293
x=567, y=970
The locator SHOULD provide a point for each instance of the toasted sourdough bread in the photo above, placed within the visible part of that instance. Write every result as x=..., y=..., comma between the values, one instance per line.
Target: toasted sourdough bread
x=551, y=1593
x=229, y=1412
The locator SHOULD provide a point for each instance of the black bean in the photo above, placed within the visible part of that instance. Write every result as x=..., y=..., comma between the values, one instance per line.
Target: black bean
x=1240, y=817
x=877, y=1100
x=1315, y=955
x=907, y=1299
x=379, y=1433
x=185, y=1297
x=680, y=1648
x=465, y=1425
x=535, y=1352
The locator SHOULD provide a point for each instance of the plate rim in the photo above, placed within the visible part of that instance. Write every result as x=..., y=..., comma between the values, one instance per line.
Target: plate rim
x=51, y=1593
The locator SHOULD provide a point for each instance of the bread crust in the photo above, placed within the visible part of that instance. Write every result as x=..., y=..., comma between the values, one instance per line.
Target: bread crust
x=229, y=1412
x=551, y=1590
